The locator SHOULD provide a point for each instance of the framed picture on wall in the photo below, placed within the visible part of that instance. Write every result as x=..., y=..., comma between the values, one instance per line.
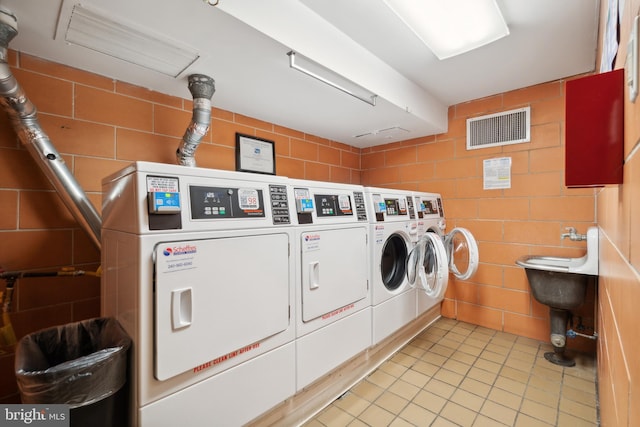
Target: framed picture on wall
x=255, y=154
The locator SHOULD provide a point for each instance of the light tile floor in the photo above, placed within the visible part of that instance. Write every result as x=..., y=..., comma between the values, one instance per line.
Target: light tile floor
x=458, y=374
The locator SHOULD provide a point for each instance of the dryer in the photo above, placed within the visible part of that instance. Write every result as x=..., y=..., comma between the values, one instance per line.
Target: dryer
x=440, y=253
x=393, y=235
x=197, y=267
x=333, y=301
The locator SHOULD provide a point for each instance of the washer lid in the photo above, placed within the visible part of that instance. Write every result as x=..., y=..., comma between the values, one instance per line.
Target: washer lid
x=462, y=252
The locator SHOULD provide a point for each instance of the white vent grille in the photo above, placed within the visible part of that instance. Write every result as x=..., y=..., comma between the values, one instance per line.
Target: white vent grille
x=508, y=127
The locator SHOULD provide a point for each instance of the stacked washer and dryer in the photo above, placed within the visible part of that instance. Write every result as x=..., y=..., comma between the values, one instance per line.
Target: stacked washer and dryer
x=239, y=290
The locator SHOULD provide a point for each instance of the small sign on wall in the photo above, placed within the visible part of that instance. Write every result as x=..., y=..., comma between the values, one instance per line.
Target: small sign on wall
x=496, y=173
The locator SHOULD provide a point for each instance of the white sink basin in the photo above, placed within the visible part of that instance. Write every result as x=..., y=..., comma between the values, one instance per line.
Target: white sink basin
x=588, y=264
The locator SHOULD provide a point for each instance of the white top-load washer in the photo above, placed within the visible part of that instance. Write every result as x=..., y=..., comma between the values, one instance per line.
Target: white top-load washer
x=197, y=267
x=393, y=236
x=333, y=316
x=441, y=253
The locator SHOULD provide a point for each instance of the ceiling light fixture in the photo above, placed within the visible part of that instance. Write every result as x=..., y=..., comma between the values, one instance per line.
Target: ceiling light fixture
x=317, y=71
x=452, y=27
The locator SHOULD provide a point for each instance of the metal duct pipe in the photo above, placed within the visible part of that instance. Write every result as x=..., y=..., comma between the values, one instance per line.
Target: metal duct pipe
x=202, y=88
x=24, y=117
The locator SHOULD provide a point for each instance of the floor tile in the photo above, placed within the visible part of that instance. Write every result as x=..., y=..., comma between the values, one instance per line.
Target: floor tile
x=449, y=377
x=367, y=390
x=416, y=378
x=467, y=399
x=417, y=415
x=498, y=412
x=524, y=420
x=540, y=412
x=458, y=414
x=587, y=413
x=481, y=375
x=458, y=374
x=381, y=379
x=505, y=398
x=334, y=416
x=541, y=396
x=352, y=404
x=376, y=416
x=391, y=402
x=440, y=388
x=404, y=389
x=430, y=401
x=476, y=387
x=393, y=368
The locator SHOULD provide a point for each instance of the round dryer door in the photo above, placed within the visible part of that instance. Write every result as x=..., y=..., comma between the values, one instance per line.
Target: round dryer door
x=462, y=252
x=428, y=265
x=394, y=261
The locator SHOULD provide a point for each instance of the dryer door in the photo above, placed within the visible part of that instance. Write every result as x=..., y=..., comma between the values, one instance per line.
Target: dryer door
x=462, y=252
x=215, y=296
x=428, y=265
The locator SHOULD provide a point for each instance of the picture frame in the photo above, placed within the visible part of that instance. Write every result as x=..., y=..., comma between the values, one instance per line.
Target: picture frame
x=255, y=154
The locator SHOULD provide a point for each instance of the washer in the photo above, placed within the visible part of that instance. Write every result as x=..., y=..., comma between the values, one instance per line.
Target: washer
x=441, y=253
x=197, y=267
x=393, y=235
x=333, y=300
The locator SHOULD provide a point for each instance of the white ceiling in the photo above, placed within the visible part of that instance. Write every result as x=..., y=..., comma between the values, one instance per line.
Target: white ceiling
x=243, y=45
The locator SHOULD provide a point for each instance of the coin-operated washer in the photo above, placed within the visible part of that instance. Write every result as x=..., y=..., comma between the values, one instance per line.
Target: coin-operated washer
x=333, y=318
x=197, y=268
x=455, y=252
x=393, y=236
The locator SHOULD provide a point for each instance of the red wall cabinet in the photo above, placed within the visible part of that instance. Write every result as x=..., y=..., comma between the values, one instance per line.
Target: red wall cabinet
x=594, y=130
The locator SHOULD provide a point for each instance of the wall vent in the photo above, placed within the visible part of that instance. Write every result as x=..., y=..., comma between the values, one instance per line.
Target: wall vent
x=507, y=127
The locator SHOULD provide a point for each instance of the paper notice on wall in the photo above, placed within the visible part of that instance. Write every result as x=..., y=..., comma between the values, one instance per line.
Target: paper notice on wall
x=497, y=173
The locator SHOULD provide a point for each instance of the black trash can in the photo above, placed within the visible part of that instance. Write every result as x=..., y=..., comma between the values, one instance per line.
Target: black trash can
x=83, y=365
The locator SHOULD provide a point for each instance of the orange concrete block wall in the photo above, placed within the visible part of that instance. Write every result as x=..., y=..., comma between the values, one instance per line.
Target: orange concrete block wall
x=527, y=218
x=99, y=126
x=618, y=210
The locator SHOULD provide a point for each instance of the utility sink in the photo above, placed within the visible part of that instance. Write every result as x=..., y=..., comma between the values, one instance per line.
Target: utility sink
x=561, y=283
x=555, y=287
x=587, y=264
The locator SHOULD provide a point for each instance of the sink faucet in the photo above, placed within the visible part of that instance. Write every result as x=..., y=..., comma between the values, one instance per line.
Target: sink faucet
x=572, y=235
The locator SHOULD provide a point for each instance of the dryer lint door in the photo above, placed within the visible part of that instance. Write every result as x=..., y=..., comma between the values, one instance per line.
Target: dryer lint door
x=334, y=270
x=462, y=253
x=427, y=266
x=215, y=296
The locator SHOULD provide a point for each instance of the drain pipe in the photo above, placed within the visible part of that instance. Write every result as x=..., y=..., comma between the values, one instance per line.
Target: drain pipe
x=202, y=88
x=24, y=118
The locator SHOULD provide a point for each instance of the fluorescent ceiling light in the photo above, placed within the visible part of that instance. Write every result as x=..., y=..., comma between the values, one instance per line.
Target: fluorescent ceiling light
x=325, y=75
x=452, y=27
x=112, y=36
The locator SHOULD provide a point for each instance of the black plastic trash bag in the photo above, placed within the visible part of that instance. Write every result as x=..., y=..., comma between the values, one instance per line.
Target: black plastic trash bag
x=79, y=364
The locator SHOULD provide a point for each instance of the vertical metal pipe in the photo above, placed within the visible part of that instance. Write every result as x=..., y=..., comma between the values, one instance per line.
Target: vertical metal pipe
x=202, y=88
x=24, y=118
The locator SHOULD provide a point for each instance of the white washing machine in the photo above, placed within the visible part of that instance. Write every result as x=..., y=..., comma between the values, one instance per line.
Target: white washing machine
x=393, y=236
x=333, y=301
x=441, y=253
x=197, y=267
